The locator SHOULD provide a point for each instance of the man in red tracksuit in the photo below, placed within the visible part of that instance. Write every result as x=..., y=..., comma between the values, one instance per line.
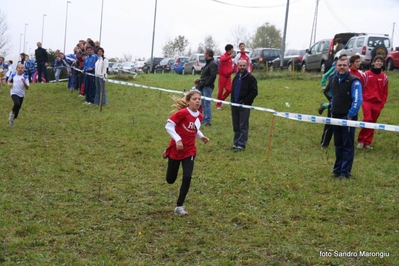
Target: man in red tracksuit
x=375, y=94
x=225, y=71
x=242, y=55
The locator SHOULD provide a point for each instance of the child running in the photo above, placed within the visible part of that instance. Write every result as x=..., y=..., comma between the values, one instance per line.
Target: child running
x=184, y=127
x=18, y=82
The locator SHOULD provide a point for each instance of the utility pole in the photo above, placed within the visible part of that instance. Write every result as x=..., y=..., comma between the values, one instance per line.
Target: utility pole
x=314, y=26
x=393, y=32
x=284, y=35
x=153, y=36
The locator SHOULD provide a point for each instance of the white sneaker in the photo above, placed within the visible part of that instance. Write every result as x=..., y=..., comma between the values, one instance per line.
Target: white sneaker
x=11, y=119
x=360, y=145
x=180, y=211
x=368, y=147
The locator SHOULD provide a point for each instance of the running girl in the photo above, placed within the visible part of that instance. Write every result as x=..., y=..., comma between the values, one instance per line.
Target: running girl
x=184, y=127
x=18, y=82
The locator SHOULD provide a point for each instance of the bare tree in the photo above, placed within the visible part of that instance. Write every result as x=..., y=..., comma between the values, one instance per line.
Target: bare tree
x=5, y=44
x=127, y=57
x=209, y=43
x=176, y=47
x=239, y=34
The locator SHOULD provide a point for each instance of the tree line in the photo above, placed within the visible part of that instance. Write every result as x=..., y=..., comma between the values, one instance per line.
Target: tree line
x=266, y=35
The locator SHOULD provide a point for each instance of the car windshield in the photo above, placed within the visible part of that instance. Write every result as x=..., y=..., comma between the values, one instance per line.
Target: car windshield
x=202, y=59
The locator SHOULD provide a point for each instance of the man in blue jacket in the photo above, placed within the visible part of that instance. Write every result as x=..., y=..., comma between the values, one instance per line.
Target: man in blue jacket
x=88, y=70
x=346, y=99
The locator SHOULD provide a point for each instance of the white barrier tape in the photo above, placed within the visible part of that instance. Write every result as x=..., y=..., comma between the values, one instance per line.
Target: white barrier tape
x=134, y=73
x=51, y=81
x=336, y=121
x=292, y=116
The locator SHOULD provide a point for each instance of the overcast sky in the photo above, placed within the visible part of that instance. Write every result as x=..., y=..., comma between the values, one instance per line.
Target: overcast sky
x=127, y=25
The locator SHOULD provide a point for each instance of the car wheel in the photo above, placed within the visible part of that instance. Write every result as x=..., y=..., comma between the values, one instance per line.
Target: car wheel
x=193, y=71
x=289, y=67
x=304, y=67
x=323, y=67
x=379, y=50
x=390, y=65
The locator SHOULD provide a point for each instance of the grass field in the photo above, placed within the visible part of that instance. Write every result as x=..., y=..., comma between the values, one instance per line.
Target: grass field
x=84, y=187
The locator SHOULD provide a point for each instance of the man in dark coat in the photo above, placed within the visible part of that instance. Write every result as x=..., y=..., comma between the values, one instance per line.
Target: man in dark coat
x=41, y=56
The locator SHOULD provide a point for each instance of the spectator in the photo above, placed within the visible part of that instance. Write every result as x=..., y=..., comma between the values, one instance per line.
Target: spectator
x=89, y=70
x=101, y=73
x=11, y=69
x=225, y=71
x=346, y=98
x=29, y=67
x=375, y=94
x=96, y=46
x=3, y=71
x=206, y=85
x=196, y=85
x=57, y=68
x=328, y=129
x=244, y=91
x=22, y=58
x=242, y=55
x=41, y=56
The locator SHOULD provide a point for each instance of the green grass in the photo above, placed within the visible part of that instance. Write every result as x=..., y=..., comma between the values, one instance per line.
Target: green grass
x=84, y=187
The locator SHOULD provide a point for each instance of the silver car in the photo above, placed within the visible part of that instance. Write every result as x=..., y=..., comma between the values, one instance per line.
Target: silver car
x=194, y=64
x=317, y=56
x=367, y=46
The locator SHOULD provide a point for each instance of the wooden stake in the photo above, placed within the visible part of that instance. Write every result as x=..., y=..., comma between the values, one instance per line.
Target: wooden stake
x=270, y=139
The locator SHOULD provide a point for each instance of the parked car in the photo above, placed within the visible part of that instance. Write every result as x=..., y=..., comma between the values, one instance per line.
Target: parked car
x=179, y=64
x=262, y=56
x=292, y=60
x=128, y=67
x=194, y=64
x=147, y=64
x=316, y=57
x=344, y=37
x=138, y=66
x=392, y=59
x=114, y=69
x=367, y=46
x=164, y=65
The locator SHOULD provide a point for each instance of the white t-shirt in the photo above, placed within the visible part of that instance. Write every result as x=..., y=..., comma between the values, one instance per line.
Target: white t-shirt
x=18, y=87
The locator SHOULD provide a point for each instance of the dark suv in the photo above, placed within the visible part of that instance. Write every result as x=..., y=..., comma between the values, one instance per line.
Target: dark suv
x=261, y=56
x=147, y=64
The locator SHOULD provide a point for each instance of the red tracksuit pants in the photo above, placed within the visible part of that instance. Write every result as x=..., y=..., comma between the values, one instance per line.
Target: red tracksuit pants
x=371, y=112
x=224, y=89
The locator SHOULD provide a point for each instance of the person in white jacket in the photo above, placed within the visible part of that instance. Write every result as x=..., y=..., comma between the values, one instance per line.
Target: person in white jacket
x=100, y=73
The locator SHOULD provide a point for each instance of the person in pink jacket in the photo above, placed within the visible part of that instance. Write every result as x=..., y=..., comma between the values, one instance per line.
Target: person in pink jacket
x=375, y=94
x=225, y=71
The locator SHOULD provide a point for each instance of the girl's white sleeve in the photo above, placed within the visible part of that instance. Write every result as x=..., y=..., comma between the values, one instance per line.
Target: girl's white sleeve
x=199, y=134
x=170, y=128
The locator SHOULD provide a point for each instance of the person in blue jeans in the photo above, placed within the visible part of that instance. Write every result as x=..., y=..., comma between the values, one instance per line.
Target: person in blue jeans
x=207, y=84
x=346, y=99
x=57, y=68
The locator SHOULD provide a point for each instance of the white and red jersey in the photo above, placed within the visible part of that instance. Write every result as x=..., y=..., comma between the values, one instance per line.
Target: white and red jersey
x=242, y=55
x=186, y=128
x=225, y=65
x=357, y=73
x=375, y=88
